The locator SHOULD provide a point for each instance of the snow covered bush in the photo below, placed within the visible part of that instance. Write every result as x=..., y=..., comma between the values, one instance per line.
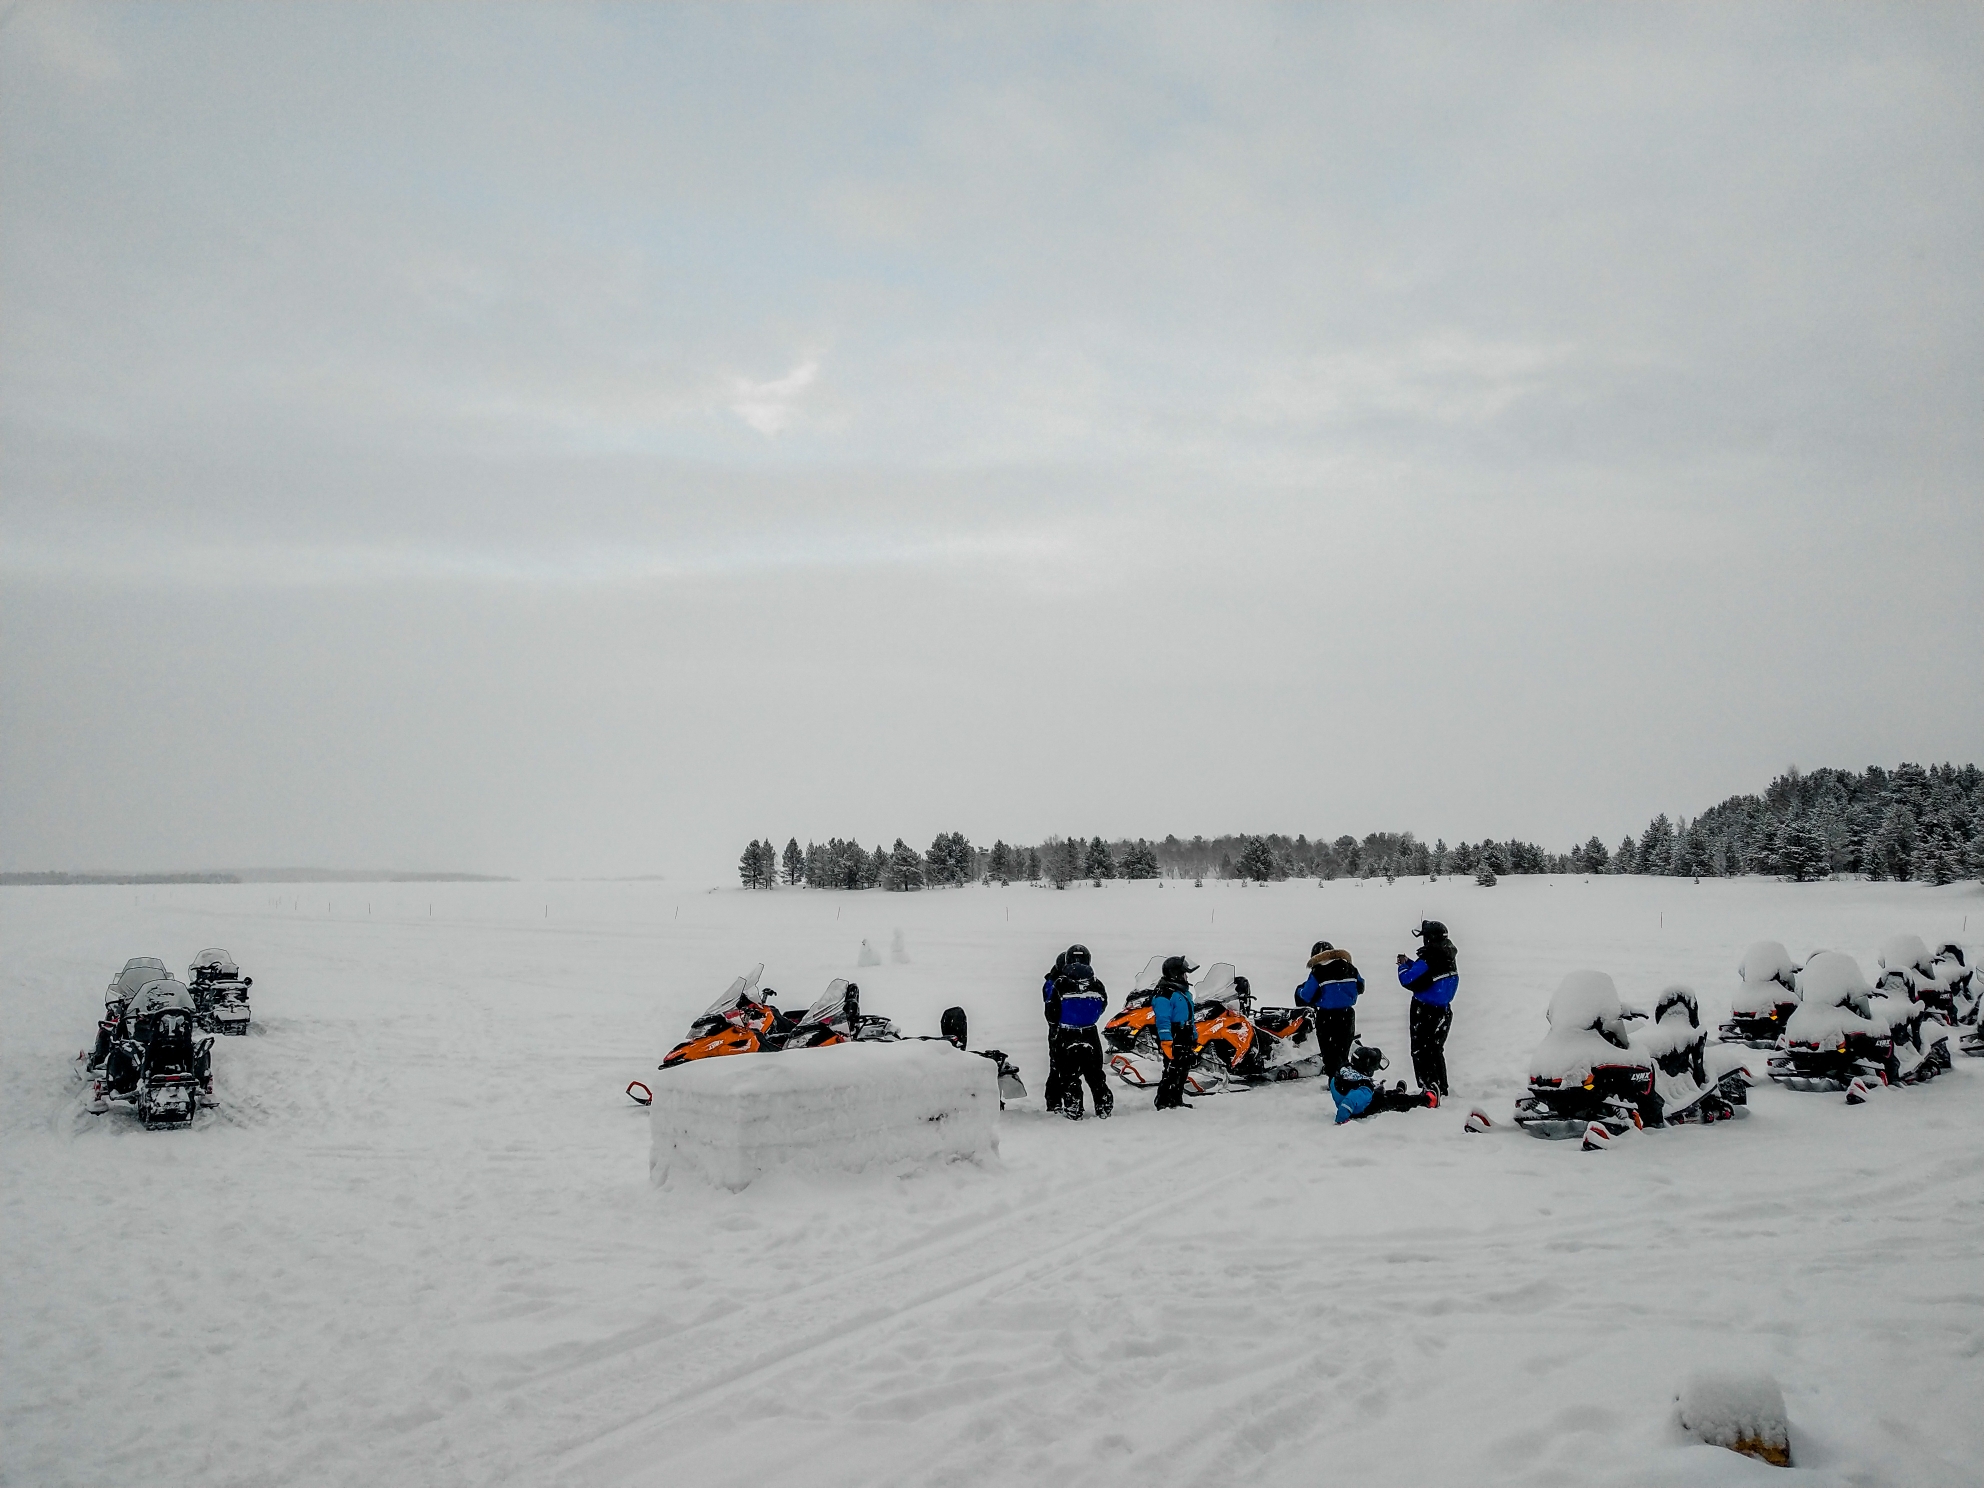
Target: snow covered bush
x=1743, y=1412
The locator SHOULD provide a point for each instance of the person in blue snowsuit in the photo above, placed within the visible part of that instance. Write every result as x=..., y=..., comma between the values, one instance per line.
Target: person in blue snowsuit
x=1432, y=977
x=1358, y=1092
x=1332, y=990
x=1176, y=1023
x=1074, y=1001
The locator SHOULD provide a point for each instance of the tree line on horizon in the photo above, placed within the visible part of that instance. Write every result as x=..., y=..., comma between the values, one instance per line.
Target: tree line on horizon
x=1914, y=822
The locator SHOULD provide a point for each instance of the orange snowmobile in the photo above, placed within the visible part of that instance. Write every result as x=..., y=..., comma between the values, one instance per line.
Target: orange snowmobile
x=1239, y=1045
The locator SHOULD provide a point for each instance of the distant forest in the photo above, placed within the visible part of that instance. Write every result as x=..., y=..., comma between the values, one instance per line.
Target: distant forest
x=1913, y=822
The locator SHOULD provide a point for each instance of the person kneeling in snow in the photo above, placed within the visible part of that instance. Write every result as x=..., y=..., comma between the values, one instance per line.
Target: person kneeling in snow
x=1075, y=1001
x=1332, y=989
x=1357, y=1092
x=1176, y=1022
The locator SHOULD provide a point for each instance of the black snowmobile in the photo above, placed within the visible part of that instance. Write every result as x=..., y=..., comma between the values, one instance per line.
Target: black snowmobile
x=1766, y=998
x=1685, y=1088
x=1849, y=1036
x=171, y=1072
x=1585, y=1079
x=220, y=992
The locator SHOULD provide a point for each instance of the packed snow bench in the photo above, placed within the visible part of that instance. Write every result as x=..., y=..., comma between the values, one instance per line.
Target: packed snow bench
x=845, y=1108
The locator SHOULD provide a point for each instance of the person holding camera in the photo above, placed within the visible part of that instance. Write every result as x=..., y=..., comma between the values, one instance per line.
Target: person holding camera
x=1432, y=978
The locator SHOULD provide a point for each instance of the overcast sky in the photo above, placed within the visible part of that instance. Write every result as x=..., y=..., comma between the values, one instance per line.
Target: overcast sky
x=568, y=441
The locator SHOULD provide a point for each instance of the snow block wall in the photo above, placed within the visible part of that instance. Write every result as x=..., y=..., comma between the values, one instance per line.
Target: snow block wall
x=845, y=1108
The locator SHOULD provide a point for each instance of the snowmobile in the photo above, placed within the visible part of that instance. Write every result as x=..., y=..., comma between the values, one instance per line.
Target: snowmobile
x=220, y=992
x=1239, y=1045
x=174, y=1073
x=1846, y=1031
x=1766, y=999
x=1011, y=1087
x=1941, y=982
x=138, y=972
x=1586, y=1073
x=834, y=1018
x=1684, y=1090
x=738, y=1022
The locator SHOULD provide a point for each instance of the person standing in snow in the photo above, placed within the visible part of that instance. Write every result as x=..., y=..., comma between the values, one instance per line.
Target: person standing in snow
x=1176, y=1022
x=1075, y=1001
x=1432, y=979
x=1332, y=990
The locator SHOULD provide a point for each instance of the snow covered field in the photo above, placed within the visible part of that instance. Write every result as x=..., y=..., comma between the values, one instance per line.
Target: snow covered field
x=416, y=1242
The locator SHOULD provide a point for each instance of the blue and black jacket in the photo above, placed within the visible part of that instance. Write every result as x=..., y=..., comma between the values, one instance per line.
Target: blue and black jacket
x=1433, y=977
x=1172, y=1011
x=1332, y=984
x=1072, y=996
x=1353, y=1094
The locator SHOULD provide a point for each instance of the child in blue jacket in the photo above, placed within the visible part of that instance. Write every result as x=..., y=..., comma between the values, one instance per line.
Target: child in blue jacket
x=1357, y=1091
x=1432, y=978
x=1176, y=1023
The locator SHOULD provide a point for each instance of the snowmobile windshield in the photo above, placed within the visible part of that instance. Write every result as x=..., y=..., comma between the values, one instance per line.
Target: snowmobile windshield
x=215, y=959
x=741, y=991
x=140, y=961
x=1150, y=976
x=1766, y=961
x=1216, y=986
x=1905, y=953
x=830, y=1004
x=129, y=982
x=1831, y=978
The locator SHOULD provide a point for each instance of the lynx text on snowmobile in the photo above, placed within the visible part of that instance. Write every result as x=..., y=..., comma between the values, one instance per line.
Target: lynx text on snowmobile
x=159, y=1068
x=1845, y=1030
x=1765, y=999
x=1239, y=1045
x=1585, y=1072
x=1685, y=1088
x=220, y=992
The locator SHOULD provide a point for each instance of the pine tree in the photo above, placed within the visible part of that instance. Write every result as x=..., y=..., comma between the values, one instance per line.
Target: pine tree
x=1256, y=860
x=1099, y=863
x=795, y=861
x=1001, y=865
x=1033, y=866
x=1596, y=858
x=751, y=867
x=903, y=868
x=1801, y=851
x=1140, y=860
x=1485, y=876
x=1627, y=858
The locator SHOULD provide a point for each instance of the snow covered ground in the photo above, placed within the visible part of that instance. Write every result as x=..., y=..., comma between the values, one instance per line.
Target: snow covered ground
x=416, y=1242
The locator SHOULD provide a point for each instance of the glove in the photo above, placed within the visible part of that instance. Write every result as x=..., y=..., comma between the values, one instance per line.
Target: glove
x=1164, y=1046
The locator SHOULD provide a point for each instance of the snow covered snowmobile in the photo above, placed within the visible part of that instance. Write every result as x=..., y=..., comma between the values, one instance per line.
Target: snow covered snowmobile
x=1765, y=1000
x=137, y=973
x=1685, y=1089
x=1239, y=1045
x=1846, y=1031
x=167, y=1074
x=1586, y=1072
x=220, y=992
x=1941, y=982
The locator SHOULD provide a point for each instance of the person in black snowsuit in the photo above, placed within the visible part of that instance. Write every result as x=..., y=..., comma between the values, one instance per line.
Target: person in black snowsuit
x=1332, y=990
x=1074, y=1001
x=1175, y=1021
x=1432, y=978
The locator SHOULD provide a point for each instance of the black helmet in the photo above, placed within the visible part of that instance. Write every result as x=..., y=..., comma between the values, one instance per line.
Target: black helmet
x=1320, y=946
x=1367, y=1059
x=1177, y=966
x=1077, y=953
x=1242, y=986
x=1431, y=930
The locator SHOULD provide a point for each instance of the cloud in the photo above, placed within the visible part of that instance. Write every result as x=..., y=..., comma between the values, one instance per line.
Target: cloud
x=769, y=406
